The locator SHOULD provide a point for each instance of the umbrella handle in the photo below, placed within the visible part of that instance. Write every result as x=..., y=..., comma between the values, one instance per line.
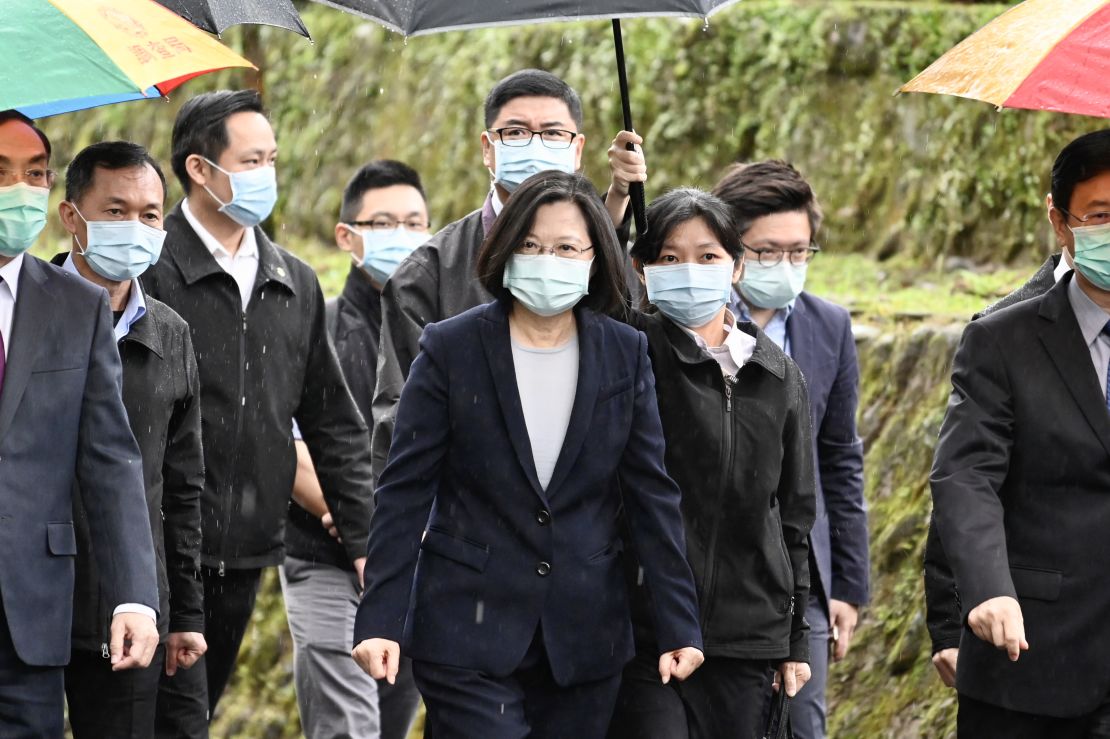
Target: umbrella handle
x=636, y=189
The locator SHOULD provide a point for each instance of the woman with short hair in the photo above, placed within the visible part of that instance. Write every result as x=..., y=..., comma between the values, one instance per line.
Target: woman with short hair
x=495, y=551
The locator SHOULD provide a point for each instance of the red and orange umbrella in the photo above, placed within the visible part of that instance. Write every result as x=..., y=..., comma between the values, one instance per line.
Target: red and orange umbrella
x=1039, y=55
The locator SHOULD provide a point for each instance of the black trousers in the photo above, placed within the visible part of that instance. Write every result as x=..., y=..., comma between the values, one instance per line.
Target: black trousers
x=978, y=720
x=398, y=703
x=32, y=699
x=111, y=705
x=464, y=704
x=188, y=700
x=723, y=699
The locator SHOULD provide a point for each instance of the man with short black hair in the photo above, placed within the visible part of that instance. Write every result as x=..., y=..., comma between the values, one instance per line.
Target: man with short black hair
x=257, y=318
x=384, y=216
x=1019, y=485
x=62, y=425
x=113, y=209
x=778, y=217
x=533, y=122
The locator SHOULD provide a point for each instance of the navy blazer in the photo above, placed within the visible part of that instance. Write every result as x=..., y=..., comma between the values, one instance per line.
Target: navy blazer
x=62, y=421
x=822, y=345
x=468, y=555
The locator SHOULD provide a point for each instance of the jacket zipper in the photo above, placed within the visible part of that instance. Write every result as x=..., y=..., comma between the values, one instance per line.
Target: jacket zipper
x=711, y=551
x=222, y=570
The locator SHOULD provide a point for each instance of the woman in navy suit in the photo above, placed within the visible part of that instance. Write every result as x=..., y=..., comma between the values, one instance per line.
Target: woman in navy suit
x=526, y=427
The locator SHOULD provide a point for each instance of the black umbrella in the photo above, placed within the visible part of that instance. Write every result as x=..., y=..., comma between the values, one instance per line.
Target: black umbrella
x=417, y=17
x=215, y=16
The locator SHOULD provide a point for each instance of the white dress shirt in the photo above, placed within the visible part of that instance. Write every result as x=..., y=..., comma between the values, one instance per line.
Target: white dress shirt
x=9, y=273
x=734, y=353
x=243, y=266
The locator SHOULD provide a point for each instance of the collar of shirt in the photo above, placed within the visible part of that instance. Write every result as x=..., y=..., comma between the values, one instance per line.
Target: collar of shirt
x=1090, y=316
x=739, y=345
x=133, y=311
x=9, y=273
x=775, y=328
x=248, y=247
x=1061, y=269
x=498, y=206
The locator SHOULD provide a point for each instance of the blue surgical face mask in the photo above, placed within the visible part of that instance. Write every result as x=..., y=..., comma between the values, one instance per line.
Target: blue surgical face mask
x=1092, y=254
x=691, y=295
x=515, y=164
x=772, y=287
x=383, y=251
x=120, y=250
x=253, y=194
x=546, y=284
x=22, y=217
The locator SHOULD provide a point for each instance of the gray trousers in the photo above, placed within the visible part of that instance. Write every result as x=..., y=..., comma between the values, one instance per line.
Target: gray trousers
x=807, y=710
x=335, y=697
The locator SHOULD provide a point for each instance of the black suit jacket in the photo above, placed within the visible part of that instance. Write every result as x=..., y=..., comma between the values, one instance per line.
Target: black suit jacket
x=468, y=555
x=1020, y=487
x=822, y=345
x=62, y=421
x=942, y=599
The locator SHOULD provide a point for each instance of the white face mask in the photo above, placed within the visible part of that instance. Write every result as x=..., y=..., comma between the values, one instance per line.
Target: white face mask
x=515, y=164
x=383, y=251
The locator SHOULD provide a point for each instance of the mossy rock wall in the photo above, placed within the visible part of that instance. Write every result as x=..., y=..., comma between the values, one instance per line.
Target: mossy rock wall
x=887, y=686
x=812, y=82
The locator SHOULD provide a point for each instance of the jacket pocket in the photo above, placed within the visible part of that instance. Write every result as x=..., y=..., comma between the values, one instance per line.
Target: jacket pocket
x=1038, y=584
x=614, y=388
x=61, y=540
x=608, y=552
x=448, y=546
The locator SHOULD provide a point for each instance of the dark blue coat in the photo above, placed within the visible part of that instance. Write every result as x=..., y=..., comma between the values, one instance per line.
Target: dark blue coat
x=822, y=345
x=62, y=422
x=468, y=555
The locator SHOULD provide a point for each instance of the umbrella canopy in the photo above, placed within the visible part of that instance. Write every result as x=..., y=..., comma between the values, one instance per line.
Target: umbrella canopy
x=416, y=17
x=1039, y=55
x=216, y=16
x=58, y=56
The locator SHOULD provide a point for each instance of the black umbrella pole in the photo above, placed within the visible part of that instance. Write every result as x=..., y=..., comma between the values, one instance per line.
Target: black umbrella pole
x=636, y=190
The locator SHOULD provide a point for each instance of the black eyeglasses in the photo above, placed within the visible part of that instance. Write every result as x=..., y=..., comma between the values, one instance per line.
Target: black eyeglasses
x=382, y=223
x=552, y=138
x=1099, y=218
x=797, y=255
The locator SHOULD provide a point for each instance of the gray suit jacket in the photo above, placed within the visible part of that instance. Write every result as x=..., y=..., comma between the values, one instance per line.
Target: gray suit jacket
x=62, y=422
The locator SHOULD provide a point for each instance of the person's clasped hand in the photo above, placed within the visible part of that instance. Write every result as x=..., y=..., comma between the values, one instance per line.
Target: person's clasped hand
x=680, y=663
x=998, y=621
x=793, y=676
x=378, y=658
x=133, y=637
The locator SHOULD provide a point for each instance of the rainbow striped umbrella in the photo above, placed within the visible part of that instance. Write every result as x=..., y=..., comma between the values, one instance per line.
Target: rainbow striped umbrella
x=1039, y=55
x=58, y=56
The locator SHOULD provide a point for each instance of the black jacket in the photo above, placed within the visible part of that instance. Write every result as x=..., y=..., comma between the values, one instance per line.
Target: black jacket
x=742, y=454
x=258, y=370
x=354, y=322
x=161, y=392
x=942, y=599
x=1019, y=483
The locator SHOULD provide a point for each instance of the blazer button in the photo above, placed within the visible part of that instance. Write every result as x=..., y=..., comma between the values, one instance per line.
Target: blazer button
x=543, y=517
x=543, y=569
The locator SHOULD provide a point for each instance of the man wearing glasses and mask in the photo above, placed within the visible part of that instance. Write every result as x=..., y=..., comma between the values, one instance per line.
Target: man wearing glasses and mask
x=778, y=217
x=533, y=123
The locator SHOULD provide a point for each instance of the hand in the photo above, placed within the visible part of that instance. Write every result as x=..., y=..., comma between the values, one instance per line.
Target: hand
x=360, y=568
x=329, y=523
x=794, y=675
x=183, y=649
x=843, y=618
x=945, y=662
x=378, y=658
x=133, y=638
x=998, y=621
x=680, y=663
x=626, y=166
